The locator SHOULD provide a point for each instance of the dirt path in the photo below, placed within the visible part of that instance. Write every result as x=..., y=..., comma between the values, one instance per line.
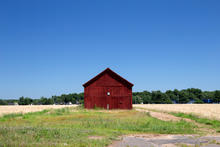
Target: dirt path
x=212, y=139
x=163, y=116
x=168, y=117
x=147, y=140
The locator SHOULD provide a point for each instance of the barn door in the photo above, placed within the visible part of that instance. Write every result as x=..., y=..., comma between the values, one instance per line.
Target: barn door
x=111, y=99
x=107, y=94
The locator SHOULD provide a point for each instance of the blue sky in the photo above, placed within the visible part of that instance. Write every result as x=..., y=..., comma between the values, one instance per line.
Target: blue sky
x=51, y=47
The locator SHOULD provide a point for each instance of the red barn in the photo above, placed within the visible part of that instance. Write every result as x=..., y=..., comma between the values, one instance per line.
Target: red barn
x=108, y=90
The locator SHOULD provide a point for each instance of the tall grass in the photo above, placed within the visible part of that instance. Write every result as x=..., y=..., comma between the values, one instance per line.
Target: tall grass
x=24, y=116
x=211, y=122
x=73, y=126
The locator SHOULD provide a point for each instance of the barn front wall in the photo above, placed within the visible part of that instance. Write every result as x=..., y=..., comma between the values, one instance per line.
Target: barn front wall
x=106, y=92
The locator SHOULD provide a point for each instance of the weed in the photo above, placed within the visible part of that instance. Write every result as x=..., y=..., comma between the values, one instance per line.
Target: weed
x=213, y=123
x=10, y=116
x=73, y=128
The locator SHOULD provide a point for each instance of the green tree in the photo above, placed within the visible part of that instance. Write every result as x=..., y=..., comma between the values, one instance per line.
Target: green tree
x=160, y=98
x=21, y=101
x=217, y=96
x=183, y=97
x=24, y=101
x=137, y=99
x=3, y=102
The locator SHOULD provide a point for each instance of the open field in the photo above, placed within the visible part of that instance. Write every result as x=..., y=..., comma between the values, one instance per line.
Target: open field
x=28, y=108
x=76, y=126
x=211, y=111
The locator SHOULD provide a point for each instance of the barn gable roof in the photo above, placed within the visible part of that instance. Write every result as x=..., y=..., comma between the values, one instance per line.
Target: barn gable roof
x=112, y=74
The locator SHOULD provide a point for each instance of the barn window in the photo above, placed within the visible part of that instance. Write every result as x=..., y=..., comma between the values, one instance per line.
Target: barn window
x=108, y=93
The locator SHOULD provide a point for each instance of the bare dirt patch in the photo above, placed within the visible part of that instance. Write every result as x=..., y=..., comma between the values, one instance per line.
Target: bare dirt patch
x=96, y=137
x=163, y=116
x=149, y=140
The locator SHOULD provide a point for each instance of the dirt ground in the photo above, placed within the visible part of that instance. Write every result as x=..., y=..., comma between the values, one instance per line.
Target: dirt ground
x=168, y=117
x=162, y=116
x=212, y=139
x=151, y=140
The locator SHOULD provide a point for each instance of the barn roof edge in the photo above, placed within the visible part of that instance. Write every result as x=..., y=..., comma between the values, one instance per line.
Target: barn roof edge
x=108, y=70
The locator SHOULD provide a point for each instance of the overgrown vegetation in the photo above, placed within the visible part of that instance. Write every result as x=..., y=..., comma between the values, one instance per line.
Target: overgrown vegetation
x=73, y=126
x=213, y=123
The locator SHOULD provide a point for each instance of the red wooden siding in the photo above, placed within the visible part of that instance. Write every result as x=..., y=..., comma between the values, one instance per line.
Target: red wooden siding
x=95, y=91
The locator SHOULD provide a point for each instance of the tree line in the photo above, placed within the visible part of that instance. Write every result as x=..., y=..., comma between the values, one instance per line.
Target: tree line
x=190, y=95
x=64, y=99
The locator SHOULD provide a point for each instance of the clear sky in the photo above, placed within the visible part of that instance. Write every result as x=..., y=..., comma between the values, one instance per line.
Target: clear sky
x=50, y=47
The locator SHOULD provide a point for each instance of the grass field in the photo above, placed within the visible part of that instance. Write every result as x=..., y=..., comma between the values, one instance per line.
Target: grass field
x=75, y=126
x=211, y=111
x=28, y=108
x=79, y=127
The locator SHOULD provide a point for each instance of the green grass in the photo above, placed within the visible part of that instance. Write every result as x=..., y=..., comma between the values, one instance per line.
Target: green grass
x=10, y=116
x=7, y=117
x=215, y=124
x=73, y=126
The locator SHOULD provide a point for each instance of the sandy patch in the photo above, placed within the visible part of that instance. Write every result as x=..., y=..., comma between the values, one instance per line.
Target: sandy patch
x=95, y=137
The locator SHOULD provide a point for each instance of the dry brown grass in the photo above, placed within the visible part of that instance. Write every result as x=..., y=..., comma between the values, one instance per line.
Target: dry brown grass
x=29, y=108
x=203, y=110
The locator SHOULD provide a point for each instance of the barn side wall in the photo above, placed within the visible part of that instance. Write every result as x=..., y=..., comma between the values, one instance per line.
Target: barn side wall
x=95, y=95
